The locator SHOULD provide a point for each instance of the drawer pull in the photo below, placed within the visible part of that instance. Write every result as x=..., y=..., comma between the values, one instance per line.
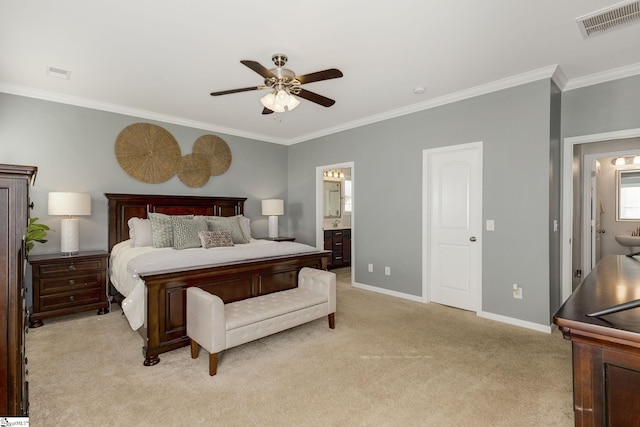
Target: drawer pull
x=71, y=298
x=72, y=267
x=72, y=282
x=338, y=244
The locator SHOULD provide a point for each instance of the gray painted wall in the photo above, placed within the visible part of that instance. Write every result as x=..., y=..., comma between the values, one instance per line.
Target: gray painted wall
x=73, y=148
x=514, y=125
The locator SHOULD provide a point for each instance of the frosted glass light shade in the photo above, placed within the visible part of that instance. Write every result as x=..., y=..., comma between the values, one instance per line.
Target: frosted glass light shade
x=61, y=203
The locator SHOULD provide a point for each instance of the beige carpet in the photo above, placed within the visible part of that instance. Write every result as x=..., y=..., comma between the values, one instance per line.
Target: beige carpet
x=389, y=362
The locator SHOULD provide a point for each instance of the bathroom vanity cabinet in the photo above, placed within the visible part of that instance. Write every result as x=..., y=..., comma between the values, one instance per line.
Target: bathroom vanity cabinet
x=338, y=241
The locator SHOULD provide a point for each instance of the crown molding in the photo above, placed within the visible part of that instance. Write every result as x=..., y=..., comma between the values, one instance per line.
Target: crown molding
x=553, y=72
x=605, y=76
x=143, y=114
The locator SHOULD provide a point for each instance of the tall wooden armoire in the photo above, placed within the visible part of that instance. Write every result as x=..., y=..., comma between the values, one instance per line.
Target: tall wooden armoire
x=14, y=216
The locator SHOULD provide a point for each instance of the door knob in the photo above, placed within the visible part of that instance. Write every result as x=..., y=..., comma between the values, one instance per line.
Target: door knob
x=472, y=238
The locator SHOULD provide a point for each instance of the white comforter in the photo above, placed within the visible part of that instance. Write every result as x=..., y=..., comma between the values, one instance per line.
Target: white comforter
x=128, y=263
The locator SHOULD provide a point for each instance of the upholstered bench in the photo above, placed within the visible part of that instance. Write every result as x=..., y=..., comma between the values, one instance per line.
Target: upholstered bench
x=217, y=326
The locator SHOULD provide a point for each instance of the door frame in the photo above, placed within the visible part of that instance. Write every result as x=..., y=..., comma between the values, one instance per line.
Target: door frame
x=426, y=220
x=567, y=197
x=320, y=203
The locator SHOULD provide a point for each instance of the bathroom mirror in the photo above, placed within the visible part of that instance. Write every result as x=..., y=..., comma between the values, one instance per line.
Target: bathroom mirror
x=332, y=193
x=628, y=195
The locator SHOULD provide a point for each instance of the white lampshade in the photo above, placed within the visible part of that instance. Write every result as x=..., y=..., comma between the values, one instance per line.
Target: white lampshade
x=273, y=208
x=69, y=204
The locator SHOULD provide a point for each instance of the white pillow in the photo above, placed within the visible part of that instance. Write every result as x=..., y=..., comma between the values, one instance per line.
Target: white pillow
x=140, y=232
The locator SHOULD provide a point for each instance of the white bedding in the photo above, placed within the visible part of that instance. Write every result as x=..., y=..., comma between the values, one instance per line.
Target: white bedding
x=128, y=263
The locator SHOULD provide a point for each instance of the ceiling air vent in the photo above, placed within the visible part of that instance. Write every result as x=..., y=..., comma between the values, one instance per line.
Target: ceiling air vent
x=610, y=18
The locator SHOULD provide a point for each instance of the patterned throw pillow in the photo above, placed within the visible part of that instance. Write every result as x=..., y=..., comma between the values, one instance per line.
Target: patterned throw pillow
x=162, y=229
x=215, y=239
x=230, y=224
x=185, y=232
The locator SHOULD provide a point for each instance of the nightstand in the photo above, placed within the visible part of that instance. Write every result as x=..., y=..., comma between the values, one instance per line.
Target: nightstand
x=278, y=239
x=68, y=284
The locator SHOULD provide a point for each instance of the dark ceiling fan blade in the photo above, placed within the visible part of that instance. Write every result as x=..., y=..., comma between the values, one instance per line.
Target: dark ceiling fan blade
x=267, y=111
x=244, y=89
x=314, y=97
x=258, y=68
x=331, y=73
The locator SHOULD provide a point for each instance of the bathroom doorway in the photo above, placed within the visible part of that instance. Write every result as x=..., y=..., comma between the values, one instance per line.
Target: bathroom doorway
x=335, y=213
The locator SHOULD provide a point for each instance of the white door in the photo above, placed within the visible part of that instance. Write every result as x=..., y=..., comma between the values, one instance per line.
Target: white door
x=454, y=234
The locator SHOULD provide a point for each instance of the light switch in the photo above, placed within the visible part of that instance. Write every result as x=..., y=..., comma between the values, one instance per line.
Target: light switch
x=491, y=226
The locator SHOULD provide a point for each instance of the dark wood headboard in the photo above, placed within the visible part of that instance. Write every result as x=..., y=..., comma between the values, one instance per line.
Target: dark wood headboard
x=123, y=207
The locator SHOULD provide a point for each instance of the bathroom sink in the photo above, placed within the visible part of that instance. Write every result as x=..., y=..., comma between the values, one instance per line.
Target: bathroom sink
x=627, y=240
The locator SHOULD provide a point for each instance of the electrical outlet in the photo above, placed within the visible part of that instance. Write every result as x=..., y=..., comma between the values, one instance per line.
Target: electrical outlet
x=517, y=291
x=387, y=271
x=370, y=268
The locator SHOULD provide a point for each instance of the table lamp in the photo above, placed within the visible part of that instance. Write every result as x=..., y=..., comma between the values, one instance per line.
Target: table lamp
x=273, y=208
x=69, y=204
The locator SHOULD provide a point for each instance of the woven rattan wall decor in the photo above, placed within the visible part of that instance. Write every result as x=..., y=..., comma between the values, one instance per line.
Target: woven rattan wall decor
x=149, y=153
x=217, y=152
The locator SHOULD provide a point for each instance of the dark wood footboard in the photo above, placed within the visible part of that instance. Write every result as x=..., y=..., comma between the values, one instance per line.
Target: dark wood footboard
x=165, y=327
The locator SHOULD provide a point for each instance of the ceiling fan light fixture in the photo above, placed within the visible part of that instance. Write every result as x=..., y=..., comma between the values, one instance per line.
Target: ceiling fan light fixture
x=269, y=101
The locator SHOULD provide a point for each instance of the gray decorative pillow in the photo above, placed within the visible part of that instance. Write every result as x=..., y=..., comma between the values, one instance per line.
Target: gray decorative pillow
x=162, y=229
x=215, y=239
x=185, y=232
x=230, y=224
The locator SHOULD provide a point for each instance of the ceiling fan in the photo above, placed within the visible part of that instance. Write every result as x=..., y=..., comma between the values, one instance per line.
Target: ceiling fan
x=284, y=84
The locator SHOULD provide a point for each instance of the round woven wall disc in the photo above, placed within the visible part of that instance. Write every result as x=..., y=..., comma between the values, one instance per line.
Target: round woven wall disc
x=194, y=170
x=147, y=152
x=216, y=150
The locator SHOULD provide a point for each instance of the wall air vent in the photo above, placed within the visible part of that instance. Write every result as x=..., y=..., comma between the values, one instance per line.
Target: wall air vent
x=610, y=18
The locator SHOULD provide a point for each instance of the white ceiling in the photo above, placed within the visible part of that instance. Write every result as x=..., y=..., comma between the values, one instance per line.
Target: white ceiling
x=161, y=59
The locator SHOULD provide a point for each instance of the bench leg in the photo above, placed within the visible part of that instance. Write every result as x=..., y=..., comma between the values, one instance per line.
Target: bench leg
x=332, y=320
x=195, y=349
x=213, y=363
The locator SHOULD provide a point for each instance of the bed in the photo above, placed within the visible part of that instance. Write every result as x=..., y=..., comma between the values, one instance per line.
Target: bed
x=163, y=327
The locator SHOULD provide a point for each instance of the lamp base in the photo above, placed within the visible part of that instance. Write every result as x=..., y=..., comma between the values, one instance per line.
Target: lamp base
x=69, y=237
x=273, y=226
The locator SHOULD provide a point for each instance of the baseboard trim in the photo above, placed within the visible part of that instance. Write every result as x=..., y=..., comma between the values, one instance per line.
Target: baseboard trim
x=547, y=329
x=388, y=292
x=516, y=322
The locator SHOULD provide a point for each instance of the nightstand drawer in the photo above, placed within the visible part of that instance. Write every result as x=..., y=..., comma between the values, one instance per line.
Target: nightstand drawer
x=70, y=299
x=71, y=283
x=71, y=266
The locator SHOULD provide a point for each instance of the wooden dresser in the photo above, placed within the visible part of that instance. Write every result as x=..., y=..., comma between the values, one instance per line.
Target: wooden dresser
x=339, y=243
x=14, y=216
x=68, y=284
x=606, y=350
